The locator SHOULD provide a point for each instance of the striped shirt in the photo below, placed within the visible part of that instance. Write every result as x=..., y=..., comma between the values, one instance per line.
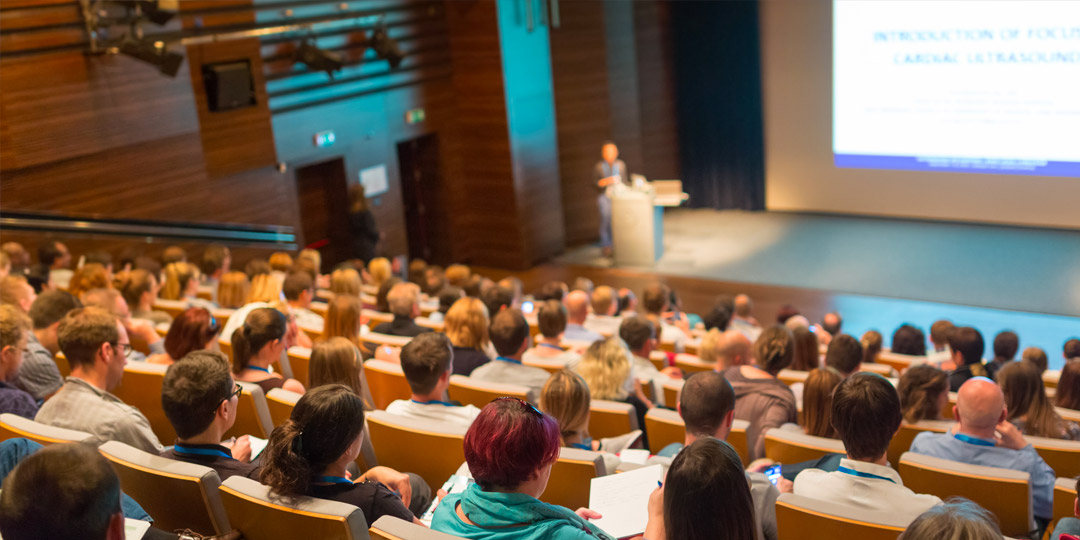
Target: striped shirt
x=80, y=406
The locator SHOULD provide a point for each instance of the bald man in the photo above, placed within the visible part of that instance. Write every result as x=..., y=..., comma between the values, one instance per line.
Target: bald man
x=726, y=349
x=984, y=437
x=577, y=310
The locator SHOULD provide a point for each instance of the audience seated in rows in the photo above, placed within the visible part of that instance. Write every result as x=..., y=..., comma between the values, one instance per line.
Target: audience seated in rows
x=817, y=403
x=345, y=319
x=510, y=450
x=606, y=367
x=89, y=276
x=655, y=301
x=1006, y=344
x=17, y=292
x=382, y=295
x=380, y=270
x=760, y=398
x=956, y=518
x=726, y=349
x=467, y=325
x=345, y=281
x=1028, y=407
x=866, y=414
x=924, y=393
x=844, y=354
x=140, y=289
x=1071, y=350
x=985, y=437
x=566, y=398
x=939, y=340
x=299, y=291
x=602, y=319
x=215, y=263
x=182, y=284
x=428, y=363
x=110, y=300
x=1069, y=525
x=259, y=343
x=807, y=350
x=404, y=301
x=95, y=345
x=1068, y=388
x=577, y=312
x=497, y=298
x=200, y=399
x=55, y=259
x=1036, y=357
x=509, y=334
x=909, y=340
x=967, y=348
x=871, y=342
x=338, y=361
x=39, y=375
x=309, y=455
x=14, y=332
x=742, y=317
x=551, y=318
x=639, y=335
x=447, y=296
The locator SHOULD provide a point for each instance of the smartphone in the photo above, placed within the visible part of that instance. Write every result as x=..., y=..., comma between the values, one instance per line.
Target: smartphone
x=527, y=307
x=773, y=474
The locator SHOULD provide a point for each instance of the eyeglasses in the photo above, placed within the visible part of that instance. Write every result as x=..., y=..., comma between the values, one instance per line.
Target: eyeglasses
x=237, y=389
x=524, y=405
x=124, y=348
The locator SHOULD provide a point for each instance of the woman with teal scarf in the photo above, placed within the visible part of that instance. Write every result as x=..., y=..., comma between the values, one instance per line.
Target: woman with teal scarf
x=510, y=449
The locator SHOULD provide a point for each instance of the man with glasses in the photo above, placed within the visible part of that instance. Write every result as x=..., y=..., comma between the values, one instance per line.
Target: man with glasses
x=96, y=345
x=199, y=397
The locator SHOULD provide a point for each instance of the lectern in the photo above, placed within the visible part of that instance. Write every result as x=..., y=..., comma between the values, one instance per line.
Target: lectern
x=637, y=220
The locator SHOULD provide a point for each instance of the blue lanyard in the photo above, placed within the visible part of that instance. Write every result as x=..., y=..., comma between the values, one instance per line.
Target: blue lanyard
x=550, y=346
x=433, y=402
x=973, y=440
x=861, y=474
x=181, y=449
x=505, y=359
x=581, y=446
x=333, y=479
x=257, y=368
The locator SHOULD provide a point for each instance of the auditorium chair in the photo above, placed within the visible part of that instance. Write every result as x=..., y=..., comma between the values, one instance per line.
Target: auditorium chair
x=284, y=366
x=162, y=329
x=658, y=359
x=947, y=410
x=664, y=427
x=375, y=318
x=226, y=348
x=737, y=438
x=804, y=518
x=320, y=307
x=299, y=360
x=571, y=477
x=693, y=347
x=312, y=332
x=258, y=516
x=252, y=413
x=141, y=388
x=373, y=340
x=671, y=388
x=436, y=326
x=899, y=362
x=178, y=494
x=1061, y=455
x=884, y=370
x=667, y=346
x=206, y=292
x=280, y=403
x=692, y=364
x=791, y=376
x=222, y=315
x=611, y=418
x=62, y=364
x=548, y=365
x=479, y=393
x=1004, y=492
x=432, y=450
x=901, y=441
x=369, y=290
x=13, y=426
x=392, y=528
x=387, y=382
x=794, y=446
x=173, y=307
x=1064, y=499
x=1068, y=414
x=1051, y=377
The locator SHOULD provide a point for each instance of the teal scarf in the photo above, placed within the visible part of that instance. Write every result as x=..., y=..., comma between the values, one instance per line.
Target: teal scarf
x=506, y=516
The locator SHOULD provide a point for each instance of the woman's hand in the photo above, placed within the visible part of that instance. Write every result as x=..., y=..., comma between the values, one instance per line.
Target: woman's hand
x=654, y=529
x=586, y=514
x=397, y=481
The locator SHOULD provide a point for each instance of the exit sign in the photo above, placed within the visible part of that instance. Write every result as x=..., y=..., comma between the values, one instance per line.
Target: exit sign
x=414, y=116
x=324, y=139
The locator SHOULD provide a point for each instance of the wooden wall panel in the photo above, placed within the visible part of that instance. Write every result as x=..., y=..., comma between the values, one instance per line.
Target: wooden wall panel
x=656, y=90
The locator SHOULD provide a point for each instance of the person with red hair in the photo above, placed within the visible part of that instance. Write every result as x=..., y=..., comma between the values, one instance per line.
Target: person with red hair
x=193, y=330
x=510, y=449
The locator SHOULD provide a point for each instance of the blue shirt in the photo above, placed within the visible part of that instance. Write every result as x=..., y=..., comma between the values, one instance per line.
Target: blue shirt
x=947, y=446
x=15, y=401
x=576, y=332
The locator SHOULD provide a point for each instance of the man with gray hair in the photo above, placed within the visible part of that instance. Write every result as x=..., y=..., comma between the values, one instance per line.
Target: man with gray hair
x=726, y=349
x=404, y=300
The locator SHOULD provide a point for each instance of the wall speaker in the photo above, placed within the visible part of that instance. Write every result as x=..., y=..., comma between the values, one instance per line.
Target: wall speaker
x=229, y=85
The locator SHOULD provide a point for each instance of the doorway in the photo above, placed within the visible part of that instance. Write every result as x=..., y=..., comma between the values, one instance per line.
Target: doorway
x=422, y=193
x=322, y=195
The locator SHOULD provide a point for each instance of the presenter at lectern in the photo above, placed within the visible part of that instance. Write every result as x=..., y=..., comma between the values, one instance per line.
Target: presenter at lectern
x=608, y=171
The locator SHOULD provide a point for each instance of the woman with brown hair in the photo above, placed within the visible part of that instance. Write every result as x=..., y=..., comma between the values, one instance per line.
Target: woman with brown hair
x=817, y=402
x=345, y=281
x=924, y=392
x=90, y=276
x=1068, y=388
x=139, y=289
x=337, y=361
x=466, y=324
x=193, y=330
x=1028, y=407
x=182, y=283
x=344, y=319
x=566, y=398
x=259, y=343
x=265, y=288
x=233, y=290
x=362, y=229
x=807, y=351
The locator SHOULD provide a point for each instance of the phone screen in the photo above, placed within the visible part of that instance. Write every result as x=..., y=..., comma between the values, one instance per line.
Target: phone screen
x=773, y=474
x=527, y=307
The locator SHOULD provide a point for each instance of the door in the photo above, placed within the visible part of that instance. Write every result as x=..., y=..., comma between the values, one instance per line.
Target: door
x=323, y=199
x=423, y=198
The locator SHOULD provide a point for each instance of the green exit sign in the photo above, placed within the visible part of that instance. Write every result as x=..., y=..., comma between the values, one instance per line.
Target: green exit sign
x=323, y=139
x=414, y=116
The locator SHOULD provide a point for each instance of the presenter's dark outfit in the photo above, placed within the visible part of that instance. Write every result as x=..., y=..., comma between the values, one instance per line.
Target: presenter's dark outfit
x=364, y=235
x=602, y=170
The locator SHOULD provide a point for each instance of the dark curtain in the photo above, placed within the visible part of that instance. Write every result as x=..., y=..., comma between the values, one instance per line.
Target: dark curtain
x=718, y=94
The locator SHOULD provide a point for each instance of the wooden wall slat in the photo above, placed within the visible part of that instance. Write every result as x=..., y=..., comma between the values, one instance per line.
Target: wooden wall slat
x=17, y=4
x=68, y=14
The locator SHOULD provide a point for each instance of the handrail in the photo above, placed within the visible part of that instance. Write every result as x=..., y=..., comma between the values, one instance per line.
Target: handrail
x=278, y=236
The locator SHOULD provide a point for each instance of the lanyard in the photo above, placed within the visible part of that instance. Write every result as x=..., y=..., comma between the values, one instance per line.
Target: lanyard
x=505, y=359
x=333, y=479
x=257, y=368
x=181, y=449
x=861, y=474
x=433, y=402
x=973, y=440
x=550, y=346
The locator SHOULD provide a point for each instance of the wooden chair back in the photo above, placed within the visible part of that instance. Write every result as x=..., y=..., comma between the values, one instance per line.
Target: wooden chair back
x=664, y=427
x=692, y=364
x=252, y=413
x=791, y=376
x=257, y=516
x=1064, y=501
x=62, y=364
x=611, y=418
x=901, y=442
x=571, y=478
x=1061, y=455
x=141, y=388
x=803, y=518
x=299, y=361
x=280, y=403
x=13, y=426
x=794, y=446
x=392, y=528
x=479, y=393
x=387, y=382
x=433, y=451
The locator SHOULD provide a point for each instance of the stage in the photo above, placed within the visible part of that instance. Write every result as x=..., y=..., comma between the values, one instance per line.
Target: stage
x=882, y=272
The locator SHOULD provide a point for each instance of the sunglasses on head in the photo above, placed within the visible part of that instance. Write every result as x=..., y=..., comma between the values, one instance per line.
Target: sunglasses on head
x=524, y=405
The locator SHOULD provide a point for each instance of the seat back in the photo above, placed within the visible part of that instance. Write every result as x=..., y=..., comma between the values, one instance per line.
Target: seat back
x=947, y=410
x=392, y=528
x=791, y=376
x=658, y=359
x=1064, y=499
x=141, y=388
x=432, y=450
x=479, y=393
x=375, y=318
x=173, y=307
x=692, y=364
x=571, y=477
x=179, y=495
x=387, y=382
x=257, y=516
x=13, y=426
x=794, y=446
x=1068, y=414
x=299, y=360
x=671, y=389
x=280, y=403
x=550, y=366
x=664, y=427
x=437, y=326
x=62, y=364
x=1061, y=455
x=884, y=370
x=803, y=518
x=1004, y=492
x=737, y=438
x=611, y=418
x=1051, y=377
x=252, y=413
x=899, y=362
x=901, y=442
x=226, y=348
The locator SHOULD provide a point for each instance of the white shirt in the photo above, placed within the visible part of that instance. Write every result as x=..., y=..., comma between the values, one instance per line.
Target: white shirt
x=674, y=334
x=499, y=371
x=435, y=411
x=645, y=371
x=308, y=319
x=603, y=324
x=236, y=320
x=566, y=357
x=879, y=488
